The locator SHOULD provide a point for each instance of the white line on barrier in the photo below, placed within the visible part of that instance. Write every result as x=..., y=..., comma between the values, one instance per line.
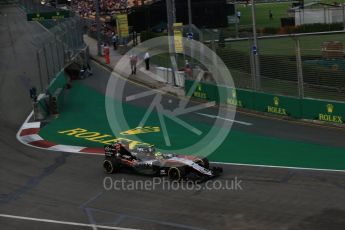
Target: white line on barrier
x=93, y=226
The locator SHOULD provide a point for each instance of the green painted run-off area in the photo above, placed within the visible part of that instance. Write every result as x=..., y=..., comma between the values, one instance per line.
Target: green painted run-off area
x=84, y=108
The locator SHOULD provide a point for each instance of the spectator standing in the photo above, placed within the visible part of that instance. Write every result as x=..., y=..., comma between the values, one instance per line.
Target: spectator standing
x=114, y=40
x=270, y=15
x=147, y=60
x=135, y=38
x=133, y=61
x=238, y=15
x=188, y=71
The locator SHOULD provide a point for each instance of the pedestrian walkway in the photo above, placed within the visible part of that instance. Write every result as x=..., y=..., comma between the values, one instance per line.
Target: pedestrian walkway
x=148, y=78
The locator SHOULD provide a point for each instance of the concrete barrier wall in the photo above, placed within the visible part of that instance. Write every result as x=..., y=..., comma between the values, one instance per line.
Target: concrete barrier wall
x=280, y=105
x=322, y=110
x=203, y=91
x=238, y=98
x=47, y=105
x=58, y=82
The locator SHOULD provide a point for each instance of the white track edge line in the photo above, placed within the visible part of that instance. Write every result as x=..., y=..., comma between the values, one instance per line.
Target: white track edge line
x=64, y=222
x=47, y=149
x=276, y=166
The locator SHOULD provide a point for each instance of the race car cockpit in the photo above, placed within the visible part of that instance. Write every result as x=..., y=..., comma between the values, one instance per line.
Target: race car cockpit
x=119, y=150
x=145, y=152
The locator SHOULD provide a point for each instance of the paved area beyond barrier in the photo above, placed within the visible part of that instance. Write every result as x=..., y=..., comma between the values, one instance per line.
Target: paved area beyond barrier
x=142, y=75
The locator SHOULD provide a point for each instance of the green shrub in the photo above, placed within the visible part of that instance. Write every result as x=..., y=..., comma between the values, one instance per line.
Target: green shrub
x=318, y=27
x=308, y=28
x=270, y=30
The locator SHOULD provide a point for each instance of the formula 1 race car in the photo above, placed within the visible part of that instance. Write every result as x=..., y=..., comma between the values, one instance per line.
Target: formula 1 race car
x=147, y=161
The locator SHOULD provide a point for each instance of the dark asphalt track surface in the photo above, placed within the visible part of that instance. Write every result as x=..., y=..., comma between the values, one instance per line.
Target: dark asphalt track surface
x=69, y=187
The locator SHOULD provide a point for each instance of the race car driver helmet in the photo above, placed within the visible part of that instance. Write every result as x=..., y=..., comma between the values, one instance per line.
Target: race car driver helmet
x=146, y=150
x=123, y=144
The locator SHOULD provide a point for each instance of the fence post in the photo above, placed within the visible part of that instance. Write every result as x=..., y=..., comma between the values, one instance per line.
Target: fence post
x=252, y=66
x=60, y=65
x=343, y=5
x=46, y=61
x=39, y=70
x=255, y=46
x=299, y=68
x=214, y=59
x=53, y=61
x=98, y=26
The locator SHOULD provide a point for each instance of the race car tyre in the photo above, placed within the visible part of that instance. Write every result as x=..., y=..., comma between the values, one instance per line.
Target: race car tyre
x=176, y=174
x=109, y=166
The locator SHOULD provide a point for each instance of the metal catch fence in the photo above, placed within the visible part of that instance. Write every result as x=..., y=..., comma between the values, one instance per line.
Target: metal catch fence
x=58, y=46
x=303, y=65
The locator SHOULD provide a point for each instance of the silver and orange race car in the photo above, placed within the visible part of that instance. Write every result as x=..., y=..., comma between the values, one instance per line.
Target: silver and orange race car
x=146, y=160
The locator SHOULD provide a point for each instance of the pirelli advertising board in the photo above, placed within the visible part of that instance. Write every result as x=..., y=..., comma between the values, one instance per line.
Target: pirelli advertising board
x=122, y=23
x=178, y=37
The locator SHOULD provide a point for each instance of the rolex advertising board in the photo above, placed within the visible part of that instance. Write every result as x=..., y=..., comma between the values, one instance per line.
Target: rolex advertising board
x=279, y=105
x=324, y=110
x=202, y=91
x=236, y=97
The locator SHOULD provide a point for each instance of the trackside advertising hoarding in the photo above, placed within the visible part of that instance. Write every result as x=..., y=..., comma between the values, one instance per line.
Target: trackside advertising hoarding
x=202, y=91
x=122, y=20
x=58, y=82
x=321, y=110
x=237, y=97
x=279, y=105
x=40, y=16
x=308, y=108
